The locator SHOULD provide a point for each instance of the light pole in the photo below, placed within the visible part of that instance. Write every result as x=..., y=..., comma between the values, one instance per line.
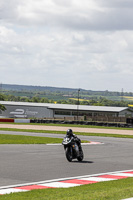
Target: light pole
x=78, y=105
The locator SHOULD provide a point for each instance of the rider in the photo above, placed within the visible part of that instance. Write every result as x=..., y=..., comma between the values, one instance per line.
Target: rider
x=70, y=134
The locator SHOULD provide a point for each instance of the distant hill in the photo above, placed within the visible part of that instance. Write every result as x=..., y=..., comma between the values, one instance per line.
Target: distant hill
x=36, y=88
x=47, y=89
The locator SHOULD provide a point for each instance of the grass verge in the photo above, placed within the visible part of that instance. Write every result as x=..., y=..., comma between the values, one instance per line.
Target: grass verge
x=112, y=190
x=64, y=132
x=21, y=139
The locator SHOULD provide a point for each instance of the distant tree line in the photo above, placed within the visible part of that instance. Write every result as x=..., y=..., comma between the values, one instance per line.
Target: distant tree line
x=101, y=101
x=47, y=89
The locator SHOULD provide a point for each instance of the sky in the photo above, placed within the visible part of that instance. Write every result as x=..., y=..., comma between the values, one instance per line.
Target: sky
x=84, y=44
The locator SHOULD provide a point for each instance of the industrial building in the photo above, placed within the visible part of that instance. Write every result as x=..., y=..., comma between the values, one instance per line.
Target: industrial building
x=61, y=111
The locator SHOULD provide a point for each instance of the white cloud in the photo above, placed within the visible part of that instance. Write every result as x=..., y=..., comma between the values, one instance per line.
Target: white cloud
x=75, y=43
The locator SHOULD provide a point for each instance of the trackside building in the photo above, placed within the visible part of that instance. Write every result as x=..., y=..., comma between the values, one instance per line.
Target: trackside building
x=50, y=111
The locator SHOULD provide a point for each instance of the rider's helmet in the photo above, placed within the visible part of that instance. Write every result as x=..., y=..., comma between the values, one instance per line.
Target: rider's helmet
x=69, y=132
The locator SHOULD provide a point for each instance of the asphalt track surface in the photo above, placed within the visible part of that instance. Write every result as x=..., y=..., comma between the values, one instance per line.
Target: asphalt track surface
x=20, y=164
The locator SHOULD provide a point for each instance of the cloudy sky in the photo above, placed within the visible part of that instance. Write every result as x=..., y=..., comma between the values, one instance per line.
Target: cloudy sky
x=67, y=43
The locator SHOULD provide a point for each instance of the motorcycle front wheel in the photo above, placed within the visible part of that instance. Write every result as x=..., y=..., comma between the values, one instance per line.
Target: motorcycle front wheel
x=68, y=154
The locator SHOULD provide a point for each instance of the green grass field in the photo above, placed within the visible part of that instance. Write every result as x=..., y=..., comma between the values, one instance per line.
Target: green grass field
x=112, y=190
x=21, y=139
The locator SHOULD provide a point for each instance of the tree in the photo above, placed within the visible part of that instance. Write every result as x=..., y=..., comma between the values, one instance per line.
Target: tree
x=2, y=108
x=35, y=99
x=2, y=97
x=44, y=100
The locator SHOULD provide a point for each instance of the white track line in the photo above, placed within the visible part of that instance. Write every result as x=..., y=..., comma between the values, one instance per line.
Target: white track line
x=63, y=179
x=128, y=198
x=89, y=143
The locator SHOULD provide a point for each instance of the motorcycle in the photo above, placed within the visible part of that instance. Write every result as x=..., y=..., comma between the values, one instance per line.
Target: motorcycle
x=72, y=150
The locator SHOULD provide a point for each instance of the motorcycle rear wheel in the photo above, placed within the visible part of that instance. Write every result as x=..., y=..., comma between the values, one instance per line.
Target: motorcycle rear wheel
x=80, y=158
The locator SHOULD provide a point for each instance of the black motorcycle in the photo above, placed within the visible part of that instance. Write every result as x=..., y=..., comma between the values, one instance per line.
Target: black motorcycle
x=72, y=150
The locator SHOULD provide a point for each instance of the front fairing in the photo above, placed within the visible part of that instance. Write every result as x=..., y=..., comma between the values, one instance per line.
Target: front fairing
x=67, y=141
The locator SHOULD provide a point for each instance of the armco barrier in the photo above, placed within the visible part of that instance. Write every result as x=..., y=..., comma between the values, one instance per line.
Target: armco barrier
x=22, y=120
x=15, y=120
x=6, y=120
